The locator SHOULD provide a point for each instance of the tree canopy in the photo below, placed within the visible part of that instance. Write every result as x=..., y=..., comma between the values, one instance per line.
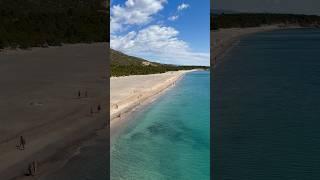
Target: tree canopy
x=124, y=65
x=34, y=23
x=242, y=20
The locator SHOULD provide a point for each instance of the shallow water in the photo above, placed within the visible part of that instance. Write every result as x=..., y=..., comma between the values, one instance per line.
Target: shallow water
x=266, y=104
x=169, y=139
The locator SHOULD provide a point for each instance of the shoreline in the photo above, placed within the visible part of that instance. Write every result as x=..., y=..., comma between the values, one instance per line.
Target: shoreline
x=139, y=99
x=59, y=160
x=68, y=153
x=223, y=40
x=167, y=123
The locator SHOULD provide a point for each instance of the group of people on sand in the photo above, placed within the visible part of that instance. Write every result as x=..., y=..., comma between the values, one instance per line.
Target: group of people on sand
x=98, y=109
x=86, y=95
x=32, y=168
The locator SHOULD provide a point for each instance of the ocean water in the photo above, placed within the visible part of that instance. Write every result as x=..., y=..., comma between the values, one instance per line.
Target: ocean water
x=266, y=108
x=169, y=139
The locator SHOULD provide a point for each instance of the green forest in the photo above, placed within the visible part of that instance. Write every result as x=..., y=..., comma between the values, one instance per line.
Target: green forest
x=42, y=23
x=242, y=20
x=124, y=65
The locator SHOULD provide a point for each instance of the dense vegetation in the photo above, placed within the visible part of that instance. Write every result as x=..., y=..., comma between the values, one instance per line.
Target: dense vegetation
x=241, y=20
x=33, y=23
x=124, y=65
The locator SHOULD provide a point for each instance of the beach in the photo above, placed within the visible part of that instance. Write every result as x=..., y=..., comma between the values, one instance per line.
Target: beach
x=128, y=92
x=222, y=40
x=167, y=138
x=40, y=101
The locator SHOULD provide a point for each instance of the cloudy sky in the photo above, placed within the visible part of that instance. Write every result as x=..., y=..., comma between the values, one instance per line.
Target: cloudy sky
x=165, y=31
x=281, y=6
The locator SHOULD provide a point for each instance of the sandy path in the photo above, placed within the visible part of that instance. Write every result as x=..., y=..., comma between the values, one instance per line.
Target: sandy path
x=129, y=92
x=38, y=99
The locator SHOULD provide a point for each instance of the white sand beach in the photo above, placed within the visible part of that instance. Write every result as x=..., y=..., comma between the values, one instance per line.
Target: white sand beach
x=129, y=92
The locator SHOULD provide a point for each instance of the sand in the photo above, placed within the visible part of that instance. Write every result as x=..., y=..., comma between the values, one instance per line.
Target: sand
x=129, y=92
x=39, y=101
x=223, y=40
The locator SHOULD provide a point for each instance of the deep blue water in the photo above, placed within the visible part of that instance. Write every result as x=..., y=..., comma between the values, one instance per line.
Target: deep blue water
x=170, y=139
x=266, y=108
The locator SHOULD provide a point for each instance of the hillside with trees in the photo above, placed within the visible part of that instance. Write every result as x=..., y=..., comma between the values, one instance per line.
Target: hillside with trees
x=41, y=23
x=124, y=65
x=243, y=20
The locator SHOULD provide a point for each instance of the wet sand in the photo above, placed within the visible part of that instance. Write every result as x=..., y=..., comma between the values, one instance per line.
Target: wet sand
x=39, y=101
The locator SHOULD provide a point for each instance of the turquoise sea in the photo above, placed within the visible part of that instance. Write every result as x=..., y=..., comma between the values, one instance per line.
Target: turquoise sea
x=266, y=108
x=170, y=138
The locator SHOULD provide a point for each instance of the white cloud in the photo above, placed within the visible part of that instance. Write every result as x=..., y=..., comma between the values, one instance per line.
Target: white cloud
x=173, y=18
x=161, y=44
x=134, y=12
x=183, y=6
x=179, y=8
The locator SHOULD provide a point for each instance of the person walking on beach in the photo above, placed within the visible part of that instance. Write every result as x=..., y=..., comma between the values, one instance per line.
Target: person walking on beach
x=79, y=94
x=30, y=170
x=99, y=108
x=22, y=142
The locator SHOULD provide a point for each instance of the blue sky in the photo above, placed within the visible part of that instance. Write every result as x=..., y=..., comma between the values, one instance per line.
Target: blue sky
x=165, y=31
